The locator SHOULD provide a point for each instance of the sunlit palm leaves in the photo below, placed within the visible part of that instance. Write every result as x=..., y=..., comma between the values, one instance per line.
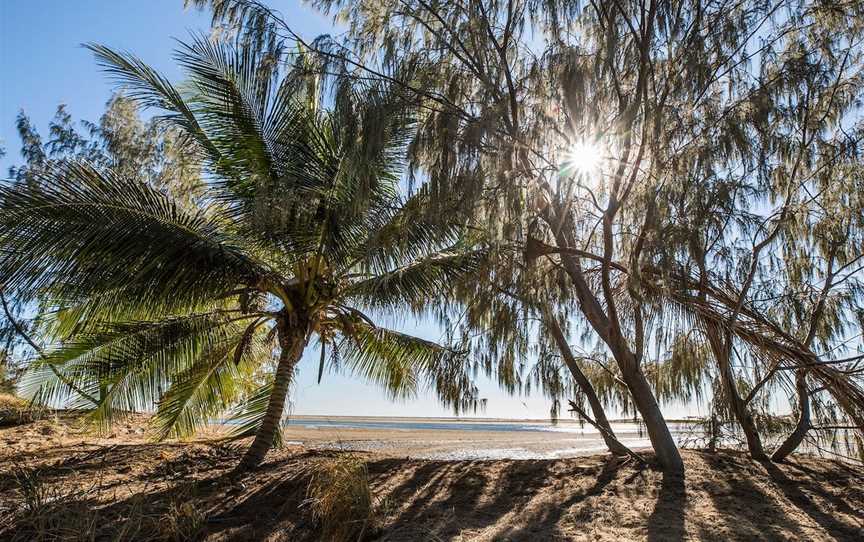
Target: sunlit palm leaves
x=399, y=362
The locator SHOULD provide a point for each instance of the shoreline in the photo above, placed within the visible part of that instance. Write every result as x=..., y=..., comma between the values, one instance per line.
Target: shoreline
x=478, y=442
x=469, y=419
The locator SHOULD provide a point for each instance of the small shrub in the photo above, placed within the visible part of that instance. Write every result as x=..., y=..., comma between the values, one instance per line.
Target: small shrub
x=341, y=500
x=46, y=513
x=183, y=521
x=34, y=493
x=14, y=411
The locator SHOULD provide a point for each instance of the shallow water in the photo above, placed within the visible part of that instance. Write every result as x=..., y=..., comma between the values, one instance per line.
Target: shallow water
x=474, y=425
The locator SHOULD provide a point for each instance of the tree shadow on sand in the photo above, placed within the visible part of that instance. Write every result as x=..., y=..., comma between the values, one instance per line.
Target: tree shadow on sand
x=794, y=492
x=776, y=507
x=725, y=496
x=545, y=523
x=667, y=520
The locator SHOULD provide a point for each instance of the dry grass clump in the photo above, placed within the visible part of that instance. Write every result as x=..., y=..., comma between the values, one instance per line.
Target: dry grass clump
x=340, y=499
x=16, y=411
x=44, y=512
x=8, y=401
x=183, y=521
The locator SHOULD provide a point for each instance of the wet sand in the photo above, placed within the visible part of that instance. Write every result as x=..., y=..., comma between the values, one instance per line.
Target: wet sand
x=538, y=441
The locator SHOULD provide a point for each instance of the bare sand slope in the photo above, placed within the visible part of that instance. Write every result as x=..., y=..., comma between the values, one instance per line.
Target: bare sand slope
x=125, y=488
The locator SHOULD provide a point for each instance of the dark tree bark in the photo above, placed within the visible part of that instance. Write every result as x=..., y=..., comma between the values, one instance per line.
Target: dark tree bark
x=291, y=342
x=803, y=426
x=722, y=350
x=587, y=389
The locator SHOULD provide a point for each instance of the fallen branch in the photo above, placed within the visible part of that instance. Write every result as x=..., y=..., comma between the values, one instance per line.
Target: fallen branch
x=577, y=409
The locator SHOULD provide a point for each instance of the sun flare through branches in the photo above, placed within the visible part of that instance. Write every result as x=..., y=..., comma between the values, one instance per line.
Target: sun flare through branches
x=584, y=157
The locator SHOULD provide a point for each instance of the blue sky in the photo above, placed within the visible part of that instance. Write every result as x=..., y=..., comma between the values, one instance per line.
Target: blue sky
x=42, y=65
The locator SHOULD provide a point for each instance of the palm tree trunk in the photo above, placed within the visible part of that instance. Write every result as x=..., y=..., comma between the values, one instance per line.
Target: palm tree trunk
x=292, y=342
x=722, y=351
x=614, y=445
x=797, y=436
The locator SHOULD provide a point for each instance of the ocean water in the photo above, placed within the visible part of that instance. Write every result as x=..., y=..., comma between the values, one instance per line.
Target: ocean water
x=402, y=424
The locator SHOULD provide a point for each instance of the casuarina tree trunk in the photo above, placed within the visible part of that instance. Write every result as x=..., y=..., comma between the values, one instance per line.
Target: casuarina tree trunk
x=804, y=423
x=743, y=416
x=797, y=436
x=664, y=445
x=722, y=351
x=585, y=386
x=291, y=342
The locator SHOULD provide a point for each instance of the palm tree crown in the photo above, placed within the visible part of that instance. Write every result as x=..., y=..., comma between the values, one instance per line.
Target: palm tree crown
x=301, y=232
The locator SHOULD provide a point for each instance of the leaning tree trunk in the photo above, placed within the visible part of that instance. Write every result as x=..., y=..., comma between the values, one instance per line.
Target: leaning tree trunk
x=587, y=389
x=722, y=351
x=804, y=423
x=803, y=426
x=291, y=342
x=664, y=445
x=743, y=415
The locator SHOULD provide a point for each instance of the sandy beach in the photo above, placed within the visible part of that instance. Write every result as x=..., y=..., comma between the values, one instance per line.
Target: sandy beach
x=446, y=439
x=121, y=486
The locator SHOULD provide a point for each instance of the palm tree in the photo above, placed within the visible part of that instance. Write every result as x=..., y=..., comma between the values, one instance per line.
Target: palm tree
x=301, y=233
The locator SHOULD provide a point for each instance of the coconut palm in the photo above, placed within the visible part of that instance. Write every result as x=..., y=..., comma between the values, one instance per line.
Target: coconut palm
x=302, y=233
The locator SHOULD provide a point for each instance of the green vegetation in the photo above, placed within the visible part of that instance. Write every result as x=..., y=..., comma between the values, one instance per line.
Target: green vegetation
x=677, y=183
x=300, y=226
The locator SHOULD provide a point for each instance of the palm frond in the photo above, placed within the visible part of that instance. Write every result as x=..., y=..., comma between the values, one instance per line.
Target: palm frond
x=128, y=366
x=401, y=364
x=82, y=234
x=401, y=233
x=416, y=283
x=248, y=416
x=230, y=100
x=149, y=88
x=214, y=383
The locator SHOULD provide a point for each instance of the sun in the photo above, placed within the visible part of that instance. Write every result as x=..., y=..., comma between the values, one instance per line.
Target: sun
x=584, y=157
